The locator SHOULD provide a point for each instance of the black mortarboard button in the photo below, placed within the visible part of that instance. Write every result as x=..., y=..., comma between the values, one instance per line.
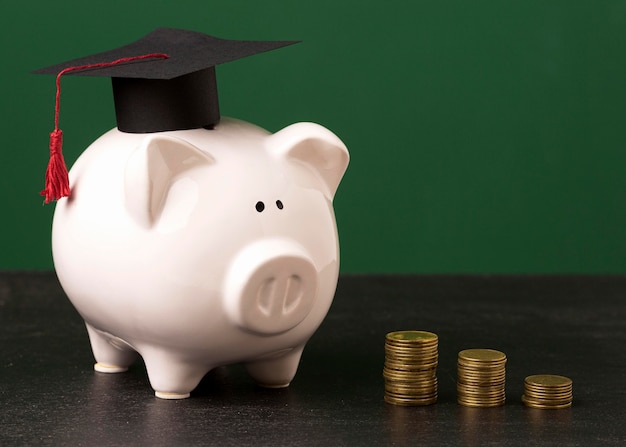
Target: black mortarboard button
x=163, y=81
x=158, y=94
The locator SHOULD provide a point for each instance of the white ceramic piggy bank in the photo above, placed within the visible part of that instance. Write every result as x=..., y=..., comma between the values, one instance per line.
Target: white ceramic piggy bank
x=200, y=248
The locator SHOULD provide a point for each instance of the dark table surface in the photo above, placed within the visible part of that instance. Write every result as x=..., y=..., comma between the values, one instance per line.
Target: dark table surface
x=568, y=325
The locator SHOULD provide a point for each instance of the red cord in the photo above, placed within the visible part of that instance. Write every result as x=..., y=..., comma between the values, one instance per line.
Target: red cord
x=57, y=181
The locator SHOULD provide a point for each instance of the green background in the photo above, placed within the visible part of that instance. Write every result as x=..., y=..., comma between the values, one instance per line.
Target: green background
x=486, y=136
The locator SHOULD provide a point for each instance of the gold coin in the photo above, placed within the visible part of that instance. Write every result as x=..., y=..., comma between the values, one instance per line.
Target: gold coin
x=482, y=394
x=484, y=368
x=411, y=383
x=470, y=400
x=479, y=377
x=412, y=358
x=411, y=352
x=411, y=348
x=480, y=404
x=409, y=377
x=411, y=337
x=481, y=382
x=412, y=363
x=465, y=386
x=549, y=407
x=410, y=369
x=478, y=398
x=411, y=344
x=545, y=406
x=548, y=381
x=409, y=380
x=410, y=402
x=410, y=386
x=481, y=367
x=481, y=401
x=411, y=355
x=547, y=402
x=547, y=391
x=407, y=339
x=404, y=372
x=482, y=355
x=462, y=369
x=414, y=367
x=486, y=371
x=547, y=395
x=408, y=389
x=539, y=395
x=411, y=391
x=421, y=391
x=548, y=387
x=414, y=397
x=469, y=373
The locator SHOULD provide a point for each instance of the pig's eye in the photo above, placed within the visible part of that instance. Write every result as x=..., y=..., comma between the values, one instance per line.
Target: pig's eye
x=260, y=206
x=279, y=204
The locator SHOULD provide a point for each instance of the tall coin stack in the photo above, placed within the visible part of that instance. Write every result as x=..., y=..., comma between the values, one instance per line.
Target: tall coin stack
x=410, y=369
x=481, y=378
x=547, y=391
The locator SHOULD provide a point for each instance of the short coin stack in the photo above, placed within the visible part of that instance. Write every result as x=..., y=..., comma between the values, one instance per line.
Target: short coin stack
x=547, y=391
x=411, y=359
x=481, y=378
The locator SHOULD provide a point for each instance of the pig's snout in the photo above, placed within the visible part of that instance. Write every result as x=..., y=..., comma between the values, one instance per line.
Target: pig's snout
x=270, y=287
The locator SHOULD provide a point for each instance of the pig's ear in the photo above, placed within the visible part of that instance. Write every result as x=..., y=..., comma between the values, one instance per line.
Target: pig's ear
x=316, y=147
x=151, y=170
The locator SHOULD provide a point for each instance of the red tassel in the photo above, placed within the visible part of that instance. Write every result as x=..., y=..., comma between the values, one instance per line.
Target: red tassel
x=57, y=181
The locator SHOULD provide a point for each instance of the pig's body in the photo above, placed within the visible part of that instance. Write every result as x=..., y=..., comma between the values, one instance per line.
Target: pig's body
x=165, y=249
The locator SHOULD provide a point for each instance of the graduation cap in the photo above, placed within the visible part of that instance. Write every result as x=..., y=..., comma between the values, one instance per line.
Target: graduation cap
x=163, y=81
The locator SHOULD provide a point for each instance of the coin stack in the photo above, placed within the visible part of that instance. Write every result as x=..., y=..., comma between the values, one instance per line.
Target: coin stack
x=547, y=391
x=481, y=378
x=410, y=368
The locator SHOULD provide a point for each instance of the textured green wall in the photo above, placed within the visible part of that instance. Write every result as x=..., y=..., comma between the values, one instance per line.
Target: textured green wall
x=486, y=136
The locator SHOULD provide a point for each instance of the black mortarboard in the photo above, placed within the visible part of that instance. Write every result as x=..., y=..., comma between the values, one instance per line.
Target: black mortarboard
x=173, y=93
x=163, y=81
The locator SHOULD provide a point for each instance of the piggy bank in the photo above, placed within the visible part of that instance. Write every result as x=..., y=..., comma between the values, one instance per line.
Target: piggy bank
x=201, y=248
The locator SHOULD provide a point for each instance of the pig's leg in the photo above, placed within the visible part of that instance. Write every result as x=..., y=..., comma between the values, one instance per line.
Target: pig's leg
x=112, y=354
x=171, y=377
x=276, y=370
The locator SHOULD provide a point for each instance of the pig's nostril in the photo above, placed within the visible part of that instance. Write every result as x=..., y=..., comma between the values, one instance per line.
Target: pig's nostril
x=260, y=206
x=279, y=204
x=272, y=294
x=265, y=296
x=293, y=294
